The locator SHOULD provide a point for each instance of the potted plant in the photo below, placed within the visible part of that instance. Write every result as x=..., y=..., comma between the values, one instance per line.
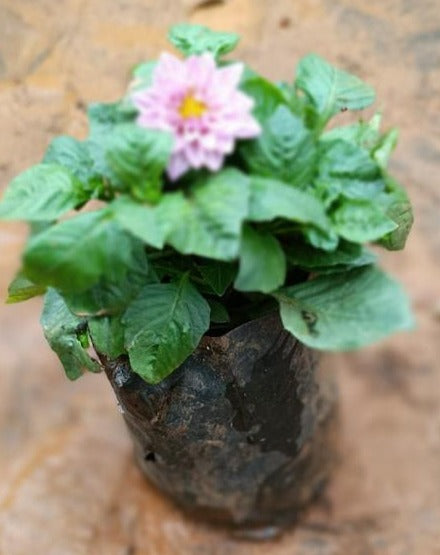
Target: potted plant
x=225, y=245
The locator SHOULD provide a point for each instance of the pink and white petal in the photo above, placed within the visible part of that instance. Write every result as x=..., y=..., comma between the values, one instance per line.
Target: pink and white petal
x=237, y=125
x=177, y=166
x=179, y=142
x=209, y=61
x=221, y=142
x=199, y=141
x=169, y=68
x=142, y=99
x=190, y=135
x=248, y=128
x=195, y=154
x=229, y=77
x=214, y=161
x=208, y=140
x=226, y=145
x=224, y=85
x=238, y=105
x=243, y=102
x=200, y=71
x=225, y=127
x=149, y=122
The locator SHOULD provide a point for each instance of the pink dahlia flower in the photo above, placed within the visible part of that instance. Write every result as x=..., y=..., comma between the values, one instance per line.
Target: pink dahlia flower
x=201, y=106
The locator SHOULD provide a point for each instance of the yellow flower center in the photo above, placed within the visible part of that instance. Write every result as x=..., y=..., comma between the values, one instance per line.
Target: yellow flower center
x=191, y=107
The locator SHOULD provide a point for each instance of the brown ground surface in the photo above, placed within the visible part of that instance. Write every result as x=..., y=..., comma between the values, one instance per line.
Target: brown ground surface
x=68, y=484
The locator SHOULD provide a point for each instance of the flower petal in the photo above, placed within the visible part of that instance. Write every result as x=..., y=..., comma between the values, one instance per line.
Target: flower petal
x=214, y=161
x=200, y=139
x=230, y=76
x=177, y=166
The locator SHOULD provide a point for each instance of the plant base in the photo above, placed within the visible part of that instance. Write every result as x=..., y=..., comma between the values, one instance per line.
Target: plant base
x=242, y=434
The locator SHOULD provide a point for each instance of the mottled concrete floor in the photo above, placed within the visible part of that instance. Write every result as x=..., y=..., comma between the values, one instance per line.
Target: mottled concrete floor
x=68, y=485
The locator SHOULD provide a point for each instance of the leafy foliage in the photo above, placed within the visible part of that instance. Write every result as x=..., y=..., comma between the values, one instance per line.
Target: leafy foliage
x=271, y=199
x=164, y=324
x=107, y=335
x=142, y=220
x=143, y=76
x=346, y=257
x=286, y=150
x=218, y=275
x=137, y=158
x=103, y=117
x=196, y=39
x=75, y=253
x=73, y=155
x=398, y=209
x=41, y=193
x=330, y=90
x=262, y=262
x=208, y=222
x=219, y=314
x=104, y=120
x=66, y=334
x=267, y=96
x=362, y=221
x=365, y=134
x=345, y=311
x=112, y=294
x=22, y=289
x=152, y=265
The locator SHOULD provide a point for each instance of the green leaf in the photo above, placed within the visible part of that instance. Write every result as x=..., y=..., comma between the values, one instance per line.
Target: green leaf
x=347, y=160
x=96, y=145
x=285, y=150
x=73, y=155
x=266, y=95
x=168, y=266
x=329, y=189
x=208, y=222
x=137, y=158
x=104, y=298
x=365, y=134
x=347, y=170
x=37, y=227
x=63, y=332
x=103, y=117
x=144, y=221
x=218, y=275
x=329, y=89
x=358, y=189
x=41, y=193
x=346, y=256
x=75, y=253
x=164, y=325
x=219, y=314
x=107, y=335
x=109, y=297
x=144, y=70
x=196, y=39
x=143, y=76
x=385, y=148
x=270, y=199
x=262, y=262
x=398, y=208
x=345, y=311
x=22, y=289
x=326, y=240
x=361, y=221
